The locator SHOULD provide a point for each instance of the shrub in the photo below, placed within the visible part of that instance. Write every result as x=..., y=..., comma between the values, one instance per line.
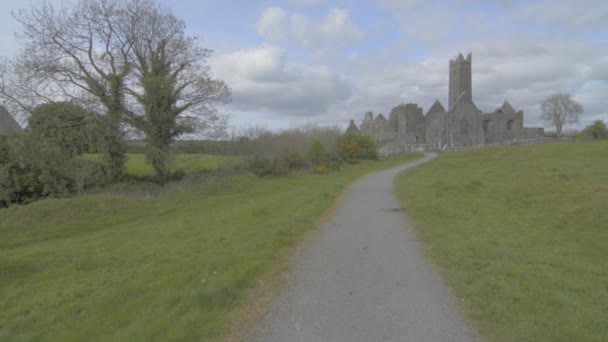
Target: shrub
x=322, y=169
x=32, y=167
x=352, y=146
x=597, y=130
x=316, y=152
x=261, y=166
x=295, y=161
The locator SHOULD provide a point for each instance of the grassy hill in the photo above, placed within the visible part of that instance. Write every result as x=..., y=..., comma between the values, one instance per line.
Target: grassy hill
x=125, y=268
x=521, y=235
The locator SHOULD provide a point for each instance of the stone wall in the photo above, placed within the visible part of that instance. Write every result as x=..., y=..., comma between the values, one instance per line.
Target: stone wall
x=388, y=150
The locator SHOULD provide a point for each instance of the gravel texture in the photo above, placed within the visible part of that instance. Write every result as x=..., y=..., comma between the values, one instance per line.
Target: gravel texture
x=363, y=278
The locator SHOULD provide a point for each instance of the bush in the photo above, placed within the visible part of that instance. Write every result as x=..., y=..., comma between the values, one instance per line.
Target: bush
x=295, y=161
x=597, y=130
x=352, y=147
x=261, y=166
x=32, y=168
x=316, y=152
x=322, y=169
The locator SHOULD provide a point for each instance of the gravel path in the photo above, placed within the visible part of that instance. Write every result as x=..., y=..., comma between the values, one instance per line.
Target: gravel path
x=363, y=278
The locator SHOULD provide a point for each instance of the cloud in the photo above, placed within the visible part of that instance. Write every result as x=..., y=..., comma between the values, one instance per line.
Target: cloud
x=571, y=14
x=272, y=24
x=339, y=26
x=262, y=81
x=307, y=2
x=321, y=35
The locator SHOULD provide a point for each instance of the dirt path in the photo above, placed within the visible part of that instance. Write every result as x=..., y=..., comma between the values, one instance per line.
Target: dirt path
x=363, y=278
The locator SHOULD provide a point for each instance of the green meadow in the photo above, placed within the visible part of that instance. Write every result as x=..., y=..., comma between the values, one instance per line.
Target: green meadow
x=520, y=233
x=124, y=268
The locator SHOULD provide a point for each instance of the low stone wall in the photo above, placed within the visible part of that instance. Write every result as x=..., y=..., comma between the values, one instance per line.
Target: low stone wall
x=388, y=150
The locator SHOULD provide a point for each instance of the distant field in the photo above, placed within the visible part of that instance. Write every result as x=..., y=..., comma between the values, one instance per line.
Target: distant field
x=119, y=268
x=521, y=235
x=187, y=162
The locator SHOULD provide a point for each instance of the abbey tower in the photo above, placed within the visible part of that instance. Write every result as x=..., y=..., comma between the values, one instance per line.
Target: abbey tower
x=462, y=125
x=460, y=80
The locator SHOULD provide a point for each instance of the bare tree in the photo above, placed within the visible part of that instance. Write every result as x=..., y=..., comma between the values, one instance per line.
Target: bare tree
x=560, y=109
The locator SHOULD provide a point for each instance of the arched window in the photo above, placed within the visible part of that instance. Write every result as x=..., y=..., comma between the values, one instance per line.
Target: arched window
x=464, y=127
x=509, y=125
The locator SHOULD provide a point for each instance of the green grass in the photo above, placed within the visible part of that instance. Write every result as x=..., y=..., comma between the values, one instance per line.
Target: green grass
x=520, y=233
x=118, y=268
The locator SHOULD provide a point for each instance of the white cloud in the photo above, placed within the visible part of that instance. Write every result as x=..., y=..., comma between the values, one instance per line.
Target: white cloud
x=326, y=35
x=272, y=23
x=277, y=87
x=339, y=26
x=262, y=64
x=572, y=14
x=307, y=2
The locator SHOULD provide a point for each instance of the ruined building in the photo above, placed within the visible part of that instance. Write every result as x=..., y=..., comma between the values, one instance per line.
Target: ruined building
x=7, y=123
x=461, y=125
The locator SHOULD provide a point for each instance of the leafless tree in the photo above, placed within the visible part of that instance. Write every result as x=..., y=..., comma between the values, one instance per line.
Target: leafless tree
x=560, y=109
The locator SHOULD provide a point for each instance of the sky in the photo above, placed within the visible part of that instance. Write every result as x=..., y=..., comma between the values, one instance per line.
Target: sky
x=296, y=62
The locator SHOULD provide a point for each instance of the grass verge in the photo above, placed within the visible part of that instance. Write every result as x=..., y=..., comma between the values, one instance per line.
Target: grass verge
x=121, y=268
x=520, y=234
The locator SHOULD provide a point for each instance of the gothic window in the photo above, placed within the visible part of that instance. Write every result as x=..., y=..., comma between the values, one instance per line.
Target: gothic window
x=509, y=125
x=486, y=124
x=464, y=127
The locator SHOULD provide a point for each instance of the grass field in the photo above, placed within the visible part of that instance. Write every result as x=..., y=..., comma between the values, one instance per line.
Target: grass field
x=118, y=268
x=521, y=235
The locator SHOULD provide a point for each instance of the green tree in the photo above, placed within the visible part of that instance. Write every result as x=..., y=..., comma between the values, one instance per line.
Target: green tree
x=71, y=127
x=174, y=86
x=76, y=53
x=597, y=130
x=129, y=61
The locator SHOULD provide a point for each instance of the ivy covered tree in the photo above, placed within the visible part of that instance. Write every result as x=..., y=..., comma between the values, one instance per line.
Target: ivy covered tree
x=172, y=84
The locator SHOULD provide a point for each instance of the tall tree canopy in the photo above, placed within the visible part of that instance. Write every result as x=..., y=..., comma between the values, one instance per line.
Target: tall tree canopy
x=129, y=61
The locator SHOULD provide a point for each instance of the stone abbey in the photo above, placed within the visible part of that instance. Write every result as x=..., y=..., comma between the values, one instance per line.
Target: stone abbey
x=462, y=125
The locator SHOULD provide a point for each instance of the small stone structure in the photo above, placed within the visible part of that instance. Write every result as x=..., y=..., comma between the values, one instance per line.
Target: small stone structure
x=7, y=123
x=461, y=126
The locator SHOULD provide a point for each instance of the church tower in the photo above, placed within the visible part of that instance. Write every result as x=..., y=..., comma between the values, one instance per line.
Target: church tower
x=460, y=80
